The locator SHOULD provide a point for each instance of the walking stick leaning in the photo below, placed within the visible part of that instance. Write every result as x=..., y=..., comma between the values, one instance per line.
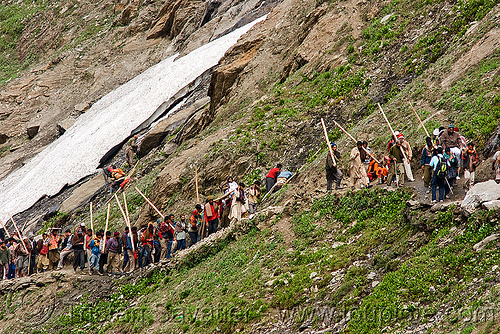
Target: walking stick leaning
x=107, y=221
x=196, y=182
x=354, y=139
x=5, y=229
x=92, y=219
x=392, y=131
x=152, y=205
x=19, y=233
x=421, y=124
x=128, y=222
x=328, y=143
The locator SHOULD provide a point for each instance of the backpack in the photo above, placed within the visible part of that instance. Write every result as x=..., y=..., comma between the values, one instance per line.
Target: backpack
x=441, y=168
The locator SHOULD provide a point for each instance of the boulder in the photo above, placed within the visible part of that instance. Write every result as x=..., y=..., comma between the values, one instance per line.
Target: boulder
x=167, y=126
x=3, y=138
x=65, y=125
x=82, y=194
x=82, y=107
x=492, y=205
x=480, y=193
x=483, y=243
x=32, y=131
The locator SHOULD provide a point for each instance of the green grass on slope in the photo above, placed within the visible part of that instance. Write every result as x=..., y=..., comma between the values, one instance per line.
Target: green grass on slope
x=340, y=242
x=13, y=19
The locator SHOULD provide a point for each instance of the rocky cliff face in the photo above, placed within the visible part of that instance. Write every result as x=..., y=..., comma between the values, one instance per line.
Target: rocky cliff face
x=81, y=51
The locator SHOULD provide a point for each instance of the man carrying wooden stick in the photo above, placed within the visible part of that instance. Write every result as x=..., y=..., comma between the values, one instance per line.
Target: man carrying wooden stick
x=357, y=170
x=332, y=172
x=397, y=168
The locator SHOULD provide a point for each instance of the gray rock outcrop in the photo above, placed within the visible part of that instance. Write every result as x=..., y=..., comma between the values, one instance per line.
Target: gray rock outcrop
x=480, y=193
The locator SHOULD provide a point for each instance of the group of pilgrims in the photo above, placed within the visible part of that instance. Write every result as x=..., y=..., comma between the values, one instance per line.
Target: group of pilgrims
x=121, y=252
x=445, y=158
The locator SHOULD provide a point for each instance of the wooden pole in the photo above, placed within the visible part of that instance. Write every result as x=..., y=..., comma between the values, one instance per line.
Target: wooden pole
x=328, y=143
x=107, y=221
x=354, y=139
x=92, y=219
x=150, y=203
x=24, y=226
x=121, y=208
x=128, y=222
x=20, y=235
x=154, y=207
x=196, y=181
x=392, y=131
x=5, y=229
x=422, y=124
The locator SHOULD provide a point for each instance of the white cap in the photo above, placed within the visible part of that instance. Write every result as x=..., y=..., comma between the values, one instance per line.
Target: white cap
x=82, y=224
x=435, y=132
x=397, y=133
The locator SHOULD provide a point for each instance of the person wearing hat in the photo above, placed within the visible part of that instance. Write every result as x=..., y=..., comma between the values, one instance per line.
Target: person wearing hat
x=114, y=254
x=211, y=215
x=333, y=174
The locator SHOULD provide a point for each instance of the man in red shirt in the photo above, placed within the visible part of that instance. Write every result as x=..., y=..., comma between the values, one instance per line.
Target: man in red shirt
x=272, y=177
x=211, y=215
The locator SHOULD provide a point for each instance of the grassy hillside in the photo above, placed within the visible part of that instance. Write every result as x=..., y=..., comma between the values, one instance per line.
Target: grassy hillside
x=364, y=261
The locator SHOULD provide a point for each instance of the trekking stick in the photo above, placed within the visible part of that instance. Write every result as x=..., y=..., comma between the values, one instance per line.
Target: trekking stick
x=5, y=229
x=449, y=187
x=390, y=127
x=150, y=203
x=24, y=226
x=128, y=222
x=328, y=143
x=196, y=181
x=347, y=133
x=422, y=124
x=107, y=221
x=91, y=220
x=20, y=235
x=154, y=207
x=269, y=192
